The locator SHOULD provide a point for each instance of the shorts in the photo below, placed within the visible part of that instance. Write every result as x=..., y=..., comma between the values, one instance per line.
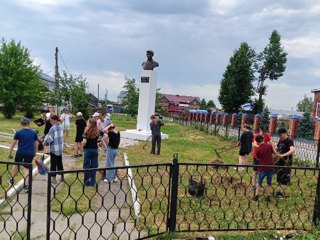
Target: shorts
x=66, y=127
x=242, y=153
x=283, y=176
x=255, y=164
x=262, y=174
x=20, y=158
x=79, y=138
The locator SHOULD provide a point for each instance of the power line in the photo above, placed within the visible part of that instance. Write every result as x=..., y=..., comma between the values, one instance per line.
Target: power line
x=64, y=63
x=50, y=70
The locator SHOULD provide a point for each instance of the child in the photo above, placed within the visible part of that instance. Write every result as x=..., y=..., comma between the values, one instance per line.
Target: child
x=80, y=125
x=264, y=155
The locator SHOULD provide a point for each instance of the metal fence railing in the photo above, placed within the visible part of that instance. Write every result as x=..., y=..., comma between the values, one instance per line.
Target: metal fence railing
x=183, y=197
x=133, y=207
x=150, y=200
x=15, y=205
x=307, y=151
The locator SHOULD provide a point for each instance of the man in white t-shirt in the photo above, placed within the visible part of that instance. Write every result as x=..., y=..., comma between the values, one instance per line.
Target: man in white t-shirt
x=65, y=123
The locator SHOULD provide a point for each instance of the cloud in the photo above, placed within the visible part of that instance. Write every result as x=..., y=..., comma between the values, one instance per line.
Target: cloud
x=303, y=46
x=108, y=81
x=193, y=40
x=284, y=96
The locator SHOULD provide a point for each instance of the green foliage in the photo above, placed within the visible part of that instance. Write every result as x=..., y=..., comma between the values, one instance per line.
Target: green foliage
x=305, y=104
x=203, y=104
x=265, y=117
x=72, y=92
x=131, y=100
x=306, y=127
x=20, y=83
x=211, y=104
x=271, y=64
x=236, y=86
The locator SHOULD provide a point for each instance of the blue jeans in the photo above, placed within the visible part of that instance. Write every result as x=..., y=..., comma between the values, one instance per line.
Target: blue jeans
x=90, y=161
x=111, y=158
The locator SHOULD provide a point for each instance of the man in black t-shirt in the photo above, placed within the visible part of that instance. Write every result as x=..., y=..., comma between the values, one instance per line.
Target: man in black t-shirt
x=286, y=149
x=245, y=144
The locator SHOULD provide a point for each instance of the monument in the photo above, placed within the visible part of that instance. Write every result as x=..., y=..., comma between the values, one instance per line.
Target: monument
x=147, y=101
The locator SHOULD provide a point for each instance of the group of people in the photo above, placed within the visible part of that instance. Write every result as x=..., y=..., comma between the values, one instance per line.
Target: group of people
x=268, y=159
x=89, y=134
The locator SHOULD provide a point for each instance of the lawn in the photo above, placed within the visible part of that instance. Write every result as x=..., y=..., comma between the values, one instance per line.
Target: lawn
x=226, y=202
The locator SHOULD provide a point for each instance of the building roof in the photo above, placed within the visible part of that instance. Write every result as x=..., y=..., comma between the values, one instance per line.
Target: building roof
x=315, y=90
x=180, y=98
x=46, y=77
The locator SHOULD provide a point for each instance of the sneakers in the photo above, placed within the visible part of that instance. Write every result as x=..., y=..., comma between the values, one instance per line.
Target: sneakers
x=280, y=195
x=26, y=188
x=113, y=180
x=10, y=181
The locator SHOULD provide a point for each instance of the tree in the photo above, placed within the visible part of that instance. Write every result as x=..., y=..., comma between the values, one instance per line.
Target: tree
x=305, y=105
x=265, y=117
x=305, y=127
x=72, y=92
x=20, y=83
x=236, y=86
x=271, y=64
x=131, y=100
x=211, y=104
x=203, y=104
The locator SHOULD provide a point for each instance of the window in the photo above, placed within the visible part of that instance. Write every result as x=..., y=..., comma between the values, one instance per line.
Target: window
x=318, y=109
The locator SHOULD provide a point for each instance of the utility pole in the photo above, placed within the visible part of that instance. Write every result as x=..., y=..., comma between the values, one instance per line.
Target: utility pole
x=98, y=95
x=56, y=74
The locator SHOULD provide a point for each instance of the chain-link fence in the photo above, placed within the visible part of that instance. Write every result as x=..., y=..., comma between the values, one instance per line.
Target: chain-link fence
x=15, y=203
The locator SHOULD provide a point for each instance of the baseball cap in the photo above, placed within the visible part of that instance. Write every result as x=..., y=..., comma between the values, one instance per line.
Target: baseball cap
x=25, y=121
x=282, y=130
x=96, y=114
x=79, y=114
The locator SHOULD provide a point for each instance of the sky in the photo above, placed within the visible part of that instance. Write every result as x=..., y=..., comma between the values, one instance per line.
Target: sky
x=193, y=40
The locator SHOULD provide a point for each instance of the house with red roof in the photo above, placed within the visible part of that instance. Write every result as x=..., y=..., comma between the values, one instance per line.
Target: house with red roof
x=316, y=103
x=178, y=104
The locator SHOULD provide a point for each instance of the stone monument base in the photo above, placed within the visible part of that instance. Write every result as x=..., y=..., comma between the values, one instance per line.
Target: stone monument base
x=140, y=135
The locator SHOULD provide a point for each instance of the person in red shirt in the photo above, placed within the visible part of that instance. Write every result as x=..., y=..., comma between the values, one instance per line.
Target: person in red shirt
x=264, y=155
x=267, y=139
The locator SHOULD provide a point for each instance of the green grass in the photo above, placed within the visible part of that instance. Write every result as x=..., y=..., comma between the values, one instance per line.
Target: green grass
x=73, y=197
x=192, y=146
x=227, y=205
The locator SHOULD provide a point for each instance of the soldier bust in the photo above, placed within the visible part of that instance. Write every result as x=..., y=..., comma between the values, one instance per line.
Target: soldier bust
x=149, y=64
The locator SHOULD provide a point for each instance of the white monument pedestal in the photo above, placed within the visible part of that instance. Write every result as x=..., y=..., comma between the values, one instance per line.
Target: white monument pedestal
x=147, y=102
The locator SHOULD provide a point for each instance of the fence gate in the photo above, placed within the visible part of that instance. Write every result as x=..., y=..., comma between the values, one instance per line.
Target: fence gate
x=15, y=205
x=135, y=206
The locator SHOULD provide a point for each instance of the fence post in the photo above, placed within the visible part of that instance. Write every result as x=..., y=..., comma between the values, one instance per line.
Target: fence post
x=48, y=206
x=174, y=194
x=29, y=201
x=316, y=210
x=318, y=154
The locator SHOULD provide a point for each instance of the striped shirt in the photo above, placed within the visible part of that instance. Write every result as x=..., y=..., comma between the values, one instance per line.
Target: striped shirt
x=54, y=138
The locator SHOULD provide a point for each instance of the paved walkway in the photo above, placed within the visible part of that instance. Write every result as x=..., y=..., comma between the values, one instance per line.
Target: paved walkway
x=112, y=214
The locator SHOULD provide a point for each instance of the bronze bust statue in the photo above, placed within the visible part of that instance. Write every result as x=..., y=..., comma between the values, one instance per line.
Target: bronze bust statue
x=149, y=64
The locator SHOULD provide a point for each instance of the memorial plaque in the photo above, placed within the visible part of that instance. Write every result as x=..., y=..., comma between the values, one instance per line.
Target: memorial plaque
x=144, y=79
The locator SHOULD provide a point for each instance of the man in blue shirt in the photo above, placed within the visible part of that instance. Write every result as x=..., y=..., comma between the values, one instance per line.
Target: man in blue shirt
x=27, y=140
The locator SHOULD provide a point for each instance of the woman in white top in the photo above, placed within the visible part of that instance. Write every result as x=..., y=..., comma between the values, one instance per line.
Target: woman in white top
x=65, y=123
